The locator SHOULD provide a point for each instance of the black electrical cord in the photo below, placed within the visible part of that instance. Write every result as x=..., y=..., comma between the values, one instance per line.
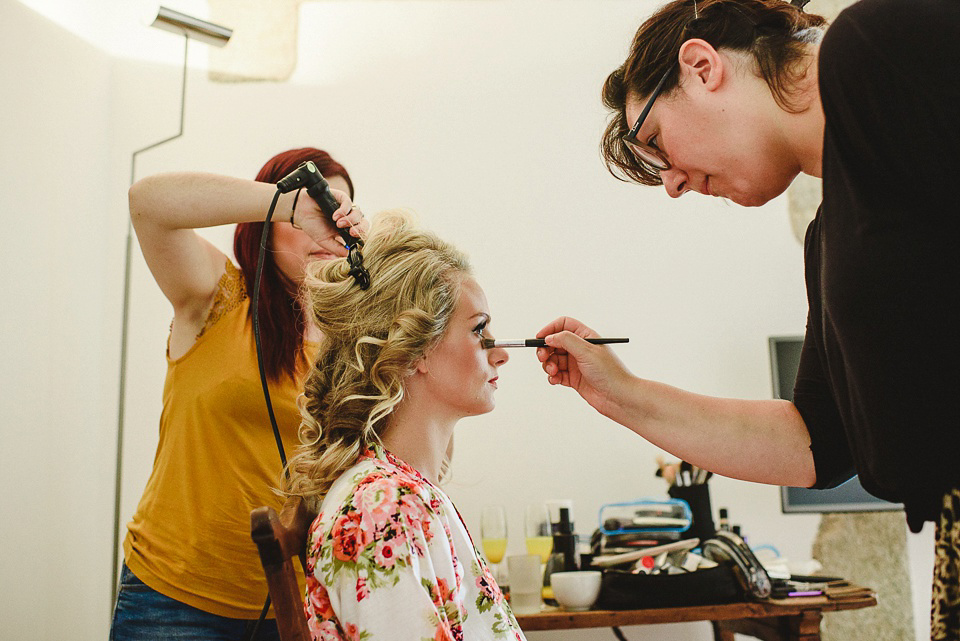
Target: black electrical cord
x=256, y=326
x=255, y=306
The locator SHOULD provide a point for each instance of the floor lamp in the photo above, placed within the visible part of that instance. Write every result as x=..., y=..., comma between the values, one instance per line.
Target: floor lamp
x=208, y=33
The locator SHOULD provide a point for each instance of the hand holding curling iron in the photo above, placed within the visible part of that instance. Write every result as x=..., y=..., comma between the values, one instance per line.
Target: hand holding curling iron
x=336, y=211
x=327, y=213
x=308, y=216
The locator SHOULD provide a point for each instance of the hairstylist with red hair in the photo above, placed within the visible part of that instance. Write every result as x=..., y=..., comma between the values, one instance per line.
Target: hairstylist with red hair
x=191, y=570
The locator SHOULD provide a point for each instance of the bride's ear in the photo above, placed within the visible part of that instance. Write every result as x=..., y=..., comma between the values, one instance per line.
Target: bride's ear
x=421, y=366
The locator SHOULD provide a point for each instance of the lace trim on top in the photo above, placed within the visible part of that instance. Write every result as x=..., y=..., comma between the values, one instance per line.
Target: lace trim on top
x=231, y=292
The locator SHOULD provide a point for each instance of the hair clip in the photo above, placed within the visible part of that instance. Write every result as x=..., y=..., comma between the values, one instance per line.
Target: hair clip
x=799, y=4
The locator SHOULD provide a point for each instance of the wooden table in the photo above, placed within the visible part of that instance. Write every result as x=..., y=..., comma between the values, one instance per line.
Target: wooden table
x=795, y=619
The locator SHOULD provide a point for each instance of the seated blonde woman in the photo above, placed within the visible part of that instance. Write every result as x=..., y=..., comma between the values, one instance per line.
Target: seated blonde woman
x=389, y=556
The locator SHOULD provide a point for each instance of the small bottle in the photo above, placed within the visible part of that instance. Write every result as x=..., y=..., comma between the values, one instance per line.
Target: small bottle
x=736, y=530
x=724, y=523
x=565, y=556
x=565, y=542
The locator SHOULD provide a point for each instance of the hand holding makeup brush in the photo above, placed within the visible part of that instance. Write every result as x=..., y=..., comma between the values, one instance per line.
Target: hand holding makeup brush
x=594, y=371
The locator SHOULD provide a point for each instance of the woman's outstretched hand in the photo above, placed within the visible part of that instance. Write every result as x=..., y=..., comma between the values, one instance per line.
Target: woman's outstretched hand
x=309, y=217
x=594, y=371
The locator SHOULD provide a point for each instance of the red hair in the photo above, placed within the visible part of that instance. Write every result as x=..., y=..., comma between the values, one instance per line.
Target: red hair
x=281, y=316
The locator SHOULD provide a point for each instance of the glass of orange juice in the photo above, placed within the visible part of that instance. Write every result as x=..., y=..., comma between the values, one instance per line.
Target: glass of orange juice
x=493, y=535
x=539, y=535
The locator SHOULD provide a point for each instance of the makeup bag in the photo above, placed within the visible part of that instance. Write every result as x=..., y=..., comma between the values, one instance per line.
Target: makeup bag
x=738, y=576
x=622, y=590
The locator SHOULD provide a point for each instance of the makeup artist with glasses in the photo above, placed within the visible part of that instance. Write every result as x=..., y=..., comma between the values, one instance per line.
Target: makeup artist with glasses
x=734, y=99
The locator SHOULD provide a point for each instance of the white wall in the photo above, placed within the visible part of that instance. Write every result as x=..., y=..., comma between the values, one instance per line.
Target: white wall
x=62, y=244
x=482, y=116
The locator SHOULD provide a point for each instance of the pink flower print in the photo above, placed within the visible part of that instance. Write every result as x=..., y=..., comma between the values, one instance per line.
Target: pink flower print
x=487, y=575
x=395, y=528
x=488, y=587
x=412, y=508
x=378, y=503
x=409, y=485
x=323, y=630
x=440, y=594
x=395, y=534
x=414, y=543
x=362, y=590
x=318, y=600
x=351, y=631
x=348, y=537
x=458, y=571
x=444, y=590
x=453, y=550
x=314, y=544
x=456, y=628
x=311, y=582
x=385, y=554
x=425, y=527
x=443, y=632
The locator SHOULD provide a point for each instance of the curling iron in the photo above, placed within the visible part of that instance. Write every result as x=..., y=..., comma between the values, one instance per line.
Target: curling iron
x=307, y=176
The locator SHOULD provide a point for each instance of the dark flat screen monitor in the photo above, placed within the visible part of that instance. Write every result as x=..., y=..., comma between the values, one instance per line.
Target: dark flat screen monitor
x=849, y=497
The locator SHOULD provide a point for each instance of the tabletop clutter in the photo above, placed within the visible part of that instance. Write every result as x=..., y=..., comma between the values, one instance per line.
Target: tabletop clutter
x=647, y=553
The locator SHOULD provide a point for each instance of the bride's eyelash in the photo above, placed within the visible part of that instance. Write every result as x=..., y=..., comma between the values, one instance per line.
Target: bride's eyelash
x=478, y=330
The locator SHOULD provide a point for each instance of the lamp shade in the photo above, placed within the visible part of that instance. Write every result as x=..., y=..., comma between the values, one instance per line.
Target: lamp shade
x=181, y=23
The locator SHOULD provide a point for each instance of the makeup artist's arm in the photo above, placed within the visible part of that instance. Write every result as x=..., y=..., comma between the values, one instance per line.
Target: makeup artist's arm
x=765, y=441
x=166, y=208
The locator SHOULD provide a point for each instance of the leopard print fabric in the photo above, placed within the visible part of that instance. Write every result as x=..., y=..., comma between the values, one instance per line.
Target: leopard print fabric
x=945, y=609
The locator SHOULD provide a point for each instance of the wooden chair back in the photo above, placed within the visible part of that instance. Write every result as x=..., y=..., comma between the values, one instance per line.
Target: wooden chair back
x=279, y=538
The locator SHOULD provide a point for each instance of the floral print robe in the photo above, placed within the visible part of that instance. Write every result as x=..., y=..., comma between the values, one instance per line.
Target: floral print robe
x=389, y=558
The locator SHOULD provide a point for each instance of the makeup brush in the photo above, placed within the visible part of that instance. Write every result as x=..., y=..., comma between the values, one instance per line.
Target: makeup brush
x=489, y=343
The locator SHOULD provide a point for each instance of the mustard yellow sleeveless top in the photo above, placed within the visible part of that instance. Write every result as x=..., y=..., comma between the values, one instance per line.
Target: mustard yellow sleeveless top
x=217, y=460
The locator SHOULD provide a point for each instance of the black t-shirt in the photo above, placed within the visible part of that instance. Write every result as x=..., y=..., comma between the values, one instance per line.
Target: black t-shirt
x=879, y=380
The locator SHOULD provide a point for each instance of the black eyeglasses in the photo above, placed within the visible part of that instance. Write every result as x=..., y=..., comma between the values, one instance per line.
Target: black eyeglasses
x=648, y=153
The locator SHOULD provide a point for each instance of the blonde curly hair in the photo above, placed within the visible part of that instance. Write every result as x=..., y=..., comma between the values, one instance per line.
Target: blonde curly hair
x=372, y=340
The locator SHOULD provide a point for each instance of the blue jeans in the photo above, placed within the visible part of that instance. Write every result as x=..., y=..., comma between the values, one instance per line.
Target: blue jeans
x=143, y=614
